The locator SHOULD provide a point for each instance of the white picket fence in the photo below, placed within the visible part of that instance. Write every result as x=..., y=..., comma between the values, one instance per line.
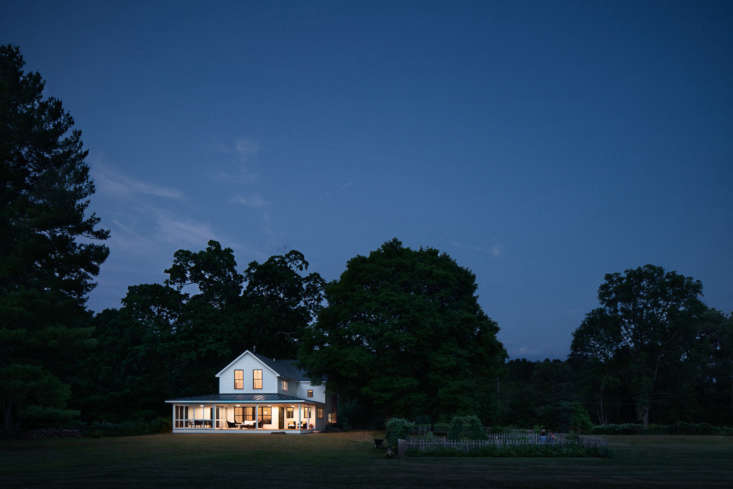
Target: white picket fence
x=495, y=440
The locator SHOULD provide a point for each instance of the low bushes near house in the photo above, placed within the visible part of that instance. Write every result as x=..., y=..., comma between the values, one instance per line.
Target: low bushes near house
x=127, y=428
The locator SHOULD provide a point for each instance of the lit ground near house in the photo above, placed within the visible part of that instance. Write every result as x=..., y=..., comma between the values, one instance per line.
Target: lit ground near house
x=348, y=460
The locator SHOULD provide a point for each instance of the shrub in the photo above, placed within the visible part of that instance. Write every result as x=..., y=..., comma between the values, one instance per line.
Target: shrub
x=679, y=428
x=466, y=427
x=441, y=429
x=48, y=417
x=580, y=421
x=397, y=428
x=564, y=450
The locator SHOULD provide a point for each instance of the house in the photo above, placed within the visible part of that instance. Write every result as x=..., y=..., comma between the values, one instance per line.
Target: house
x=257, y=395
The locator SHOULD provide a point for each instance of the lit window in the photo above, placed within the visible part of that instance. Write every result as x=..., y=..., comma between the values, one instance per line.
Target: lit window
x=310, y=393
x=265, y=414
x=289, y=412
x=306, y=412
x=239, y=379
x=331, y=417
x=257, y=379
x=320, y=412
x=285, y=385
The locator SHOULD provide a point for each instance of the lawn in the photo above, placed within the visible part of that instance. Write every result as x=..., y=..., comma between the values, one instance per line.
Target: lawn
x=349, y=460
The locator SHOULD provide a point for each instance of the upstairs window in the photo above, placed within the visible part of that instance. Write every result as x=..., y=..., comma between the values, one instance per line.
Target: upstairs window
x=257, y=378
x=239, y=379
x=285, y=385
x=309, y=393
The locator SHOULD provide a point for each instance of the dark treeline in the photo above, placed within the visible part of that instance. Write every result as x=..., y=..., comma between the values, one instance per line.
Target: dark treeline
x=399, y=333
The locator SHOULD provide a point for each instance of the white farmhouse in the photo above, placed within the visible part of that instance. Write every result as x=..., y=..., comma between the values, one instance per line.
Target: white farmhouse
x=257, y=395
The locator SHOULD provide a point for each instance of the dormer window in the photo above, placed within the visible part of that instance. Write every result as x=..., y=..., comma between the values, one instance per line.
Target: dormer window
x=309, y=393
x=257, y=378
x=239, y=379
x=285, y=385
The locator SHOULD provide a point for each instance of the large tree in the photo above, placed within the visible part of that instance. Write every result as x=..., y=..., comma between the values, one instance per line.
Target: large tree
x=50, y=246
x=648, y=317
x=403, y=334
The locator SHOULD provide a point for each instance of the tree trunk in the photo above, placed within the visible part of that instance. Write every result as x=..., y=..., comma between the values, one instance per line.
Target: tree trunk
x=601, y=408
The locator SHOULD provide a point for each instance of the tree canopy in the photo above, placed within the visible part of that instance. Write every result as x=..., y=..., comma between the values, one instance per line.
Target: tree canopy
x=50, y=246
x=403, y=334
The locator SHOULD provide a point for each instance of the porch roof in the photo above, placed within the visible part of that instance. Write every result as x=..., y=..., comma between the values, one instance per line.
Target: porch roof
x=242, y=399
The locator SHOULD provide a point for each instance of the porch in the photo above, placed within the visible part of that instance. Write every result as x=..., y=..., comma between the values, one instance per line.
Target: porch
x=291, y=416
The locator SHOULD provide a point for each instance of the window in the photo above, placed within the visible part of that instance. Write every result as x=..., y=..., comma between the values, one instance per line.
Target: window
x=257, y=378
x=289, y=413
x=306, y=412
x=239, y=379
x=285, y=385
x=242, y=414
x=331, y=417
x=320, y=412
x=265, y=413
x=309, y=393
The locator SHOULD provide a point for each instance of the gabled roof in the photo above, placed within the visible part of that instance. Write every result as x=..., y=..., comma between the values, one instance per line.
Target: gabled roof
x=286, y=369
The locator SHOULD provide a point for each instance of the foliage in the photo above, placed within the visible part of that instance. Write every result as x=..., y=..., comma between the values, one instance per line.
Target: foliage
x=648, y=317
x=441, y=428
x=679, y=428
x=49, y=242
x=397, y=428
x=466, y=427
x=404, y=335
x=580, y=421
x=519, y=450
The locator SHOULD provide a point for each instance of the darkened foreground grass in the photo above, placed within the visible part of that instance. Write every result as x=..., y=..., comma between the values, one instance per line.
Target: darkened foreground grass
x=349, y=460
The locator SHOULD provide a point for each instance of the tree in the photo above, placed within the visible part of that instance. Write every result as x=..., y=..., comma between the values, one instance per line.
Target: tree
x=49, y=241
x=404, y=335
x=650, y=317
x=593, y=350
x=280, y=301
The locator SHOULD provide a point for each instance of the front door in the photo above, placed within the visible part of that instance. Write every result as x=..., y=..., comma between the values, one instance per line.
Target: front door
x=281, y=418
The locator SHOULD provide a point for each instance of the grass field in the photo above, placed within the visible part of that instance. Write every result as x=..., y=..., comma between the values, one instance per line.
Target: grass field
x=349, y=460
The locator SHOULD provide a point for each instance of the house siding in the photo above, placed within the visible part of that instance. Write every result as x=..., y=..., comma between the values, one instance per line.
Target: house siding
x=248, y=363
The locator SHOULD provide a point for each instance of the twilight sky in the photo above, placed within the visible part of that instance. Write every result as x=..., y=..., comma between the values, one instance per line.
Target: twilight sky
x=541, y=144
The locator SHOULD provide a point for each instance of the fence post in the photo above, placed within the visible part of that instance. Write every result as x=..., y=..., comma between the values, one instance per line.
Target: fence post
x=401, y=447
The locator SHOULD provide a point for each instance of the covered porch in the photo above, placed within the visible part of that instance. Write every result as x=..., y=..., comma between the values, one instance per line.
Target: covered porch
x=195, y=415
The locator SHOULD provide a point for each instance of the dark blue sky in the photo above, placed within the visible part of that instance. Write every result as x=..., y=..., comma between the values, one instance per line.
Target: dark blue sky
x=540, y=144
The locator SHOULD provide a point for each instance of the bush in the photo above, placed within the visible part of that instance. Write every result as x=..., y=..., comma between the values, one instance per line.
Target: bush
x=127, y=428
x=466, y=427
x=679, y=428
x=580, y=421
x=441, y=429
x=397, y=428
x=564, y=450
x=48, y=417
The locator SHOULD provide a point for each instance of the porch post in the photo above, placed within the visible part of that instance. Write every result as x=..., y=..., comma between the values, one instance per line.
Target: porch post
x=173, y=417
x=299, y=408
x=257, y=417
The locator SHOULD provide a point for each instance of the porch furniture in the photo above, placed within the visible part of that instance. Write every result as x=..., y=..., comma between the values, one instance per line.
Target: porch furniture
x=249, y=424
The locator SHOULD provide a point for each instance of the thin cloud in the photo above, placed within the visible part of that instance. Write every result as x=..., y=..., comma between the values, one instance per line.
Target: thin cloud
x=110, y=181
x=256, y=201
x=493, y=250
x=245, y=150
